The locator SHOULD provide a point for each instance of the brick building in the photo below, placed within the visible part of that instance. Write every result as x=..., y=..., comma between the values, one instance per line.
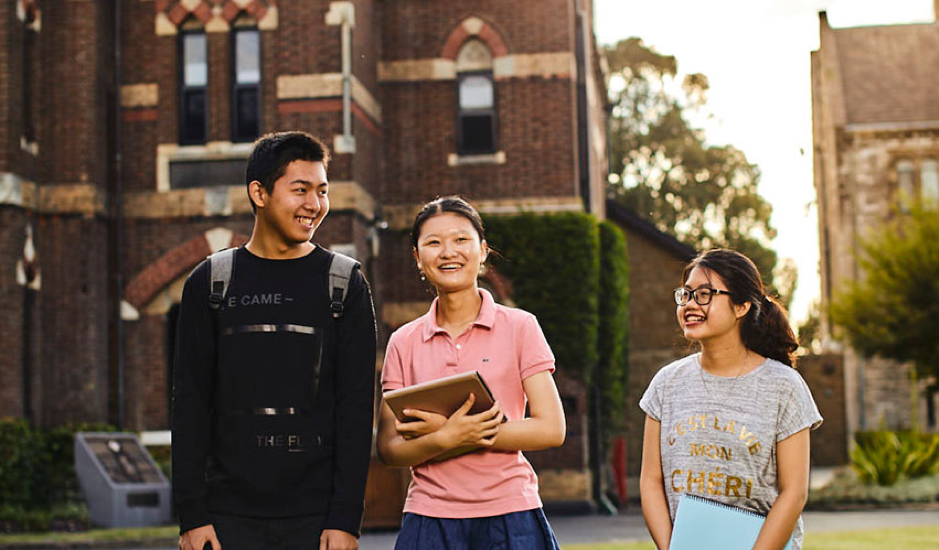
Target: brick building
x=875, y=99
x=124, y=129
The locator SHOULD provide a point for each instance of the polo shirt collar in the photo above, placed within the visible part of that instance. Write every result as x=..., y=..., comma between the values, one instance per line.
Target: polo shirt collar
x=486, y=317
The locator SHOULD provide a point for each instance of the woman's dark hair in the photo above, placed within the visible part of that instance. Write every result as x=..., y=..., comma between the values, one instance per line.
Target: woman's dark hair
x=765, y=328
x=273, y=152
x=452, y=203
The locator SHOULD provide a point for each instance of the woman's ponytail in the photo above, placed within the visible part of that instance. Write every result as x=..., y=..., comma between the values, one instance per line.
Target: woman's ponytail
x=766, y=330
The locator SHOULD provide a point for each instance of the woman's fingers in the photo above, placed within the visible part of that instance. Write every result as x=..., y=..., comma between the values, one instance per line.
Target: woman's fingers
x=466, y=406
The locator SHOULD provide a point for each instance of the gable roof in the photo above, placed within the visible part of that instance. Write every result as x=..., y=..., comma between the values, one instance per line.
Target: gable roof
x=629, y=219
x=889, y=73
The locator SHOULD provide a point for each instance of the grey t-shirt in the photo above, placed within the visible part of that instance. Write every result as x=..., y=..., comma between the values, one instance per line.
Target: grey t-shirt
x=719, y=434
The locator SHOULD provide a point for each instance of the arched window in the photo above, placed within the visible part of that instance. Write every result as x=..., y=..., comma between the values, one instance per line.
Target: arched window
x=194, y=79
x=476, y=107
x=246, y=80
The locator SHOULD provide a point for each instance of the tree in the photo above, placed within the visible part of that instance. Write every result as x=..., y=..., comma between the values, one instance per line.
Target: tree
x=893, y=311
x=663, y=169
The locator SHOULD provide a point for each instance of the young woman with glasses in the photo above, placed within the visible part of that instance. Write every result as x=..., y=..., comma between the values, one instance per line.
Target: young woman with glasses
x=731, y=422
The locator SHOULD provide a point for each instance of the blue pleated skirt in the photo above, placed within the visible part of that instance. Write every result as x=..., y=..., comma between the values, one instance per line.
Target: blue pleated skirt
x=526, y=530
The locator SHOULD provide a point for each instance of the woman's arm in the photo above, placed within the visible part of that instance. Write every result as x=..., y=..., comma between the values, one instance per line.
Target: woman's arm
x=652, y=486
x=544, y=428
x=792, y=455
x=459, y=430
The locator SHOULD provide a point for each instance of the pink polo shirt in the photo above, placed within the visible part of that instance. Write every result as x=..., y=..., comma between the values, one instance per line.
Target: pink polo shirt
x=506, y=346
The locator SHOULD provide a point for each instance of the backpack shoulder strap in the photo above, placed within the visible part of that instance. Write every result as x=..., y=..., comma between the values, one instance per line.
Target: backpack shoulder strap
x=221, y=265
x=340, y=273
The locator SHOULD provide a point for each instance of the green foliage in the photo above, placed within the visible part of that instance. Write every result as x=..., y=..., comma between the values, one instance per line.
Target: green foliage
x=884, y=457
x=614, y=327
x=847, y=490
x=37, y=467
x=553, y=262
x=704, y=195
x=894, y=311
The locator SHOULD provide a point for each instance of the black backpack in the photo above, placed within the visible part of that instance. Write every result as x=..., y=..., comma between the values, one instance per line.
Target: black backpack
x=221, y=270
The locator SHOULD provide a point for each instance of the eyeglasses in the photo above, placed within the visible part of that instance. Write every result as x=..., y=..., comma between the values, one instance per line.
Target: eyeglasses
x=702, y=296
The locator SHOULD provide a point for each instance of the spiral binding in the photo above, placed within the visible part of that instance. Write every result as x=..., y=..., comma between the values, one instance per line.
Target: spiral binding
x=720, y=504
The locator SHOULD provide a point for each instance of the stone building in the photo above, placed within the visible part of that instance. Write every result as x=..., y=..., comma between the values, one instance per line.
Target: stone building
x=875, y=99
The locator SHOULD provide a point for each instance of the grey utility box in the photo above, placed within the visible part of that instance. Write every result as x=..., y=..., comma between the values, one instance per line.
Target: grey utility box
x=122, y=485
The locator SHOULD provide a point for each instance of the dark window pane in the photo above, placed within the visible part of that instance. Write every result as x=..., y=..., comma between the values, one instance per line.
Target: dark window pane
x=193, y=116
x=476, y=134
x=207, y=173
x=246, y=114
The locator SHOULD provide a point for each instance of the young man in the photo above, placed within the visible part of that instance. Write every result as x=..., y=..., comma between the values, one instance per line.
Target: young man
x=273, y=396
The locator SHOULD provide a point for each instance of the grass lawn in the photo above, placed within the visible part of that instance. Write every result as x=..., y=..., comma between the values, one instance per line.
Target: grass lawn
x=169, y=532
x=882, y=539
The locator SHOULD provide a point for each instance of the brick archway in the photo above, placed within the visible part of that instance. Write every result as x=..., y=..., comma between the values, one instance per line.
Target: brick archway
x=142, y=288
x=473, y=27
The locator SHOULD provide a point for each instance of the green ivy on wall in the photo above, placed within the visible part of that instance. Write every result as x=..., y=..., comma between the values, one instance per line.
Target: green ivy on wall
x=572, y=272
x=553, y=262
x=614, y=326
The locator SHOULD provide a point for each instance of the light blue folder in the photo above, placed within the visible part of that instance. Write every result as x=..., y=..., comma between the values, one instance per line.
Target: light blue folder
x=704, y=524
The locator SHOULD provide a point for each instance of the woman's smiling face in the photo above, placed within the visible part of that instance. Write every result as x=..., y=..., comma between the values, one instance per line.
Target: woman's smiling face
x=450, y=252
x=717, y=318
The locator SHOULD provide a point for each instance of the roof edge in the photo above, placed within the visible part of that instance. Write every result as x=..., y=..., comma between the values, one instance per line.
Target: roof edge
x=626, y=216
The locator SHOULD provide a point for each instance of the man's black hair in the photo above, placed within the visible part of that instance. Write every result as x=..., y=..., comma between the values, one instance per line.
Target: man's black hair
x=273, y=152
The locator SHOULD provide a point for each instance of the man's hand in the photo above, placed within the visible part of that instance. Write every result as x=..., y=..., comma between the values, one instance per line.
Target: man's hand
x=195, y=539
x=335, y=539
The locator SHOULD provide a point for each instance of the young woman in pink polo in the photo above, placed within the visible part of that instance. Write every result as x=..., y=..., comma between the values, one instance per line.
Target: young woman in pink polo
x=487, y=498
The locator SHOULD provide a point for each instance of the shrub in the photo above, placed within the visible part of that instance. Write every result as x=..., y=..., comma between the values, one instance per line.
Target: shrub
x=553, y=262
x=847, y=490
x=885, y=457
x=37, y=468
x=614, y=328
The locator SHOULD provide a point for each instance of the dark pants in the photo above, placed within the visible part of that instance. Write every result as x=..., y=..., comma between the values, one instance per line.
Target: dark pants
x=528, y=530
x=249, y=533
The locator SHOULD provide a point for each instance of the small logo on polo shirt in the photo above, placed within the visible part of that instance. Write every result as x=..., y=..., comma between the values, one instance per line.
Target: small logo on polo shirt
x=485, y=359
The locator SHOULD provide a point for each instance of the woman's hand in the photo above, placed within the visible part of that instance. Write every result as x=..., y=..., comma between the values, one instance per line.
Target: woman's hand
x=476, y=430
x=426, y=423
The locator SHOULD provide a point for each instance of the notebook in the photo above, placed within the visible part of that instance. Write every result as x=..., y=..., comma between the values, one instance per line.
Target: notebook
x=443, y=395
x=704, y=524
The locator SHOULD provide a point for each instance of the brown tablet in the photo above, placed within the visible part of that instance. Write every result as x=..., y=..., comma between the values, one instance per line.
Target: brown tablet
x=442, y=396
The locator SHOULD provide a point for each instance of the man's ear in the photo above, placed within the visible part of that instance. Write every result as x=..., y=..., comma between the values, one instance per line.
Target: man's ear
x=257, y=193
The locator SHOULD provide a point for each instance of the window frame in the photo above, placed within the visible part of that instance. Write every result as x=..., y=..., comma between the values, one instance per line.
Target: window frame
x=29, y=45
x=492, y=112
x=237, y=87
x=185, y=90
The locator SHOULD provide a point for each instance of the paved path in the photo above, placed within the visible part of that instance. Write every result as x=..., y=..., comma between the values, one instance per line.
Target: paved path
x=630, y=527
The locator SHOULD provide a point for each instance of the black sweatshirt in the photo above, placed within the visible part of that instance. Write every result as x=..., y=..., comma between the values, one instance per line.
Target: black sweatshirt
x=272, y=397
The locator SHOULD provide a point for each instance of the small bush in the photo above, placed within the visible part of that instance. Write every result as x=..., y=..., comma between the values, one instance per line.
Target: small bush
x=884, y=457
x=37, y=476
x=847, y=490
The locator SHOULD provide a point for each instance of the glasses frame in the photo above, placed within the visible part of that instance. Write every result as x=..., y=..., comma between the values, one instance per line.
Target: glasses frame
x=693, y=295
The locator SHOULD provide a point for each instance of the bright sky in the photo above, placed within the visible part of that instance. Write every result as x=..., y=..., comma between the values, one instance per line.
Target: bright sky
x=755, y=54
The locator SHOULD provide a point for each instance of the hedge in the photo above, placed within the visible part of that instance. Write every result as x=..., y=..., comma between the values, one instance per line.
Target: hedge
x=37, y=471
x=614, y=327
x=553, y=262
